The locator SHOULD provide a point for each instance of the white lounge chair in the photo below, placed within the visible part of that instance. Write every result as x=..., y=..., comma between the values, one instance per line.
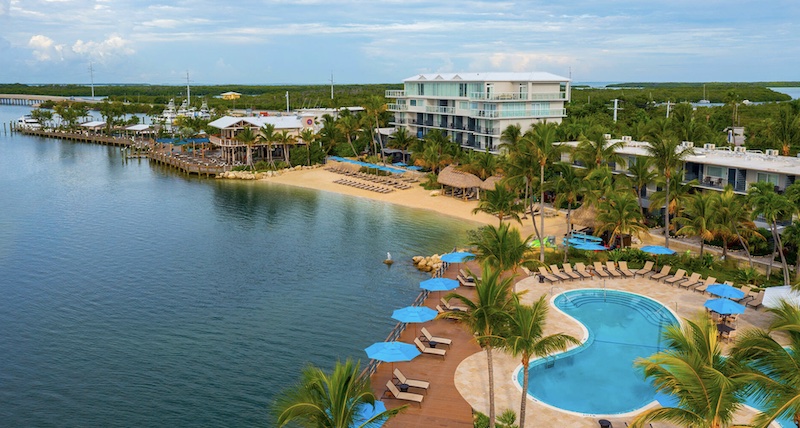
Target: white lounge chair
x=450, y=307
x=558, y=273
x=581, y=269
x=600, y=270
x=544, y=273
x=702, y=289
x=413, y=383
x=428, y=350
x=647, y=268
x=436, y=339
x=407, y=396
x=757, y=301
x=679, y=275
x=581, y=274
x=623, y=268
x=663, y=274
x=693, y=281
x=612, y=269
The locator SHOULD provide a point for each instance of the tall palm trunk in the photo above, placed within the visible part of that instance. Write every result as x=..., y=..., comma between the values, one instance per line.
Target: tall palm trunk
x=745, y=246
x=525, y=365
x=286, y=154
x=666, y=213
x=533, y=217
x=779, y=243
x=352, y=146
x=541, y=212
x=569, y=233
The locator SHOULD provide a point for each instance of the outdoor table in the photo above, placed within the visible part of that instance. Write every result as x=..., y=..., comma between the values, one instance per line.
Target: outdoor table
x=402, y=387
x=433, y=344
x=723, y=328
x=604, y=423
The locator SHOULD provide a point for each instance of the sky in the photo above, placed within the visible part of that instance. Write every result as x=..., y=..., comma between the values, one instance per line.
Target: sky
x=386, y=41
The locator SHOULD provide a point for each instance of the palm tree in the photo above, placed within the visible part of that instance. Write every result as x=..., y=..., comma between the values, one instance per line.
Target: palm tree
x=568, y=187
x=541, y=140
x=247, y=137
x=374, y=107
x=266, y=135
x=511, y=137
x=668, y=157
x=692, y=368
x=309, y=137
x=596, y=151
x=699, y=217
x=525, y=338
x=503, y=248
x=348, y=125
x=619, y=215
x=500, y=202
x=791, y=235
x=773, y=207
x=785, y=130
x=733, y=217
x=775, y=378
x=678, y=194
x=329, y=401
x=641, y=175
x=285, y=139
x=486, y=316
x=401, y=139
x=438, y=150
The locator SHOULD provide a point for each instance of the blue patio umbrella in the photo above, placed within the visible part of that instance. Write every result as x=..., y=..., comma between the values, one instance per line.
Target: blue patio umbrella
x=457, y=257
x=392, y=352
x=366, y=411
x=725, y=290
x=657, y=250
x=724, y=306
x=589, y=246
x=439, y=284
x=414, y=314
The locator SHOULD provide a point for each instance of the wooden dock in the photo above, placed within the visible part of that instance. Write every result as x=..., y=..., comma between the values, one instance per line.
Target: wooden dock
x=443, y=405
x=82, y=137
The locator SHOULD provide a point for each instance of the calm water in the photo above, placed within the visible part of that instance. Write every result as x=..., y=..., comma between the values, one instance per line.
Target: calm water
x=135, y=296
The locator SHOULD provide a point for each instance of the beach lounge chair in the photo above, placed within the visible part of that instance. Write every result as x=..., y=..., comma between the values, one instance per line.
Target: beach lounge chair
x=428, y=350
x=583, y=270
x=612, y=269
x=407, y=396
x=446, y=304
x=757, y=301
x=679, y=276
x=413, y=383
x=546, y=275
x=570, y=273
x=600, y=270
x=430, y=338
x=647, y=268
x=581, y=274
x=663, y=274
x=747, y=296
x=558, y=273
x=702, y=289
x=623, y=268
x=466, y=275
x=693, y=281
x=466, y=282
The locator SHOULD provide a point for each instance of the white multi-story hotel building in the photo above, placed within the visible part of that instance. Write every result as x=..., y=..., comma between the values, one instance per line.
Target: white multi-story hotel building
x=474, y=108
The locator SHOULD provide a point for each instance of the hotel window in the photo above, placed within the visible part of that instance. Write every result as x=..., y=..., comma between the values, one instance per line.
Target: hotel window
x=715, y=171
x=413, y=103
x=420, y=89
x=523, y=91
x=462, y=89
x=489, y=90
x=763, y=177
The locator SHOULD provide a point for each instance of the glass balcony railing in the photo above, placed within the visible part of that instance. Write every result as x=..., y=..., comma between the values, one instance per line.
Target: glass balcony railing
x=517, y=96
x=440, y=110
x=394, y=93
x=553, y=112
x=397, y=107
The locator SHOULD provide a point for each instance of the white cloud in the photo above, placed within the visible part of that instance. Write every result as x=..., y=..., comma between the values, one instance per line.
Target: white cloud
x=110, y=47
x=5, y=6
x=45, y=49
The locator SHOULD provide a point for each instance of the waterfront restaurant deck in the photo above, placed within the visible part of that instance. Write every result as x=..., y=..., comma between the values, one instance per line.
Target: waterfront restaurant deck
x=443, y=405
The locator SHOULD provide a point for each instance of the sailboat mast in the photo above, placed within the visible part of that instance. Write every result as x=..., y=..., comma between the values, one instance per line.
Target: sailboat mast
x=188, y=91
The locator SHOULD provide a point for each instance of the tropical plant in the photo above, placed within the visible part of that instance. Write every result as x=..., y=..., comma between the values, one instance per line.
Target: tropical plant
x=266, y=135
x=247, y=137
x=733, y=220
x=699, y=218
x=540, y=141
x=773, y=207
x=347, y=124
x=486, y=316
x=320, y=400
x=642, y=174
x=707, y=385
x=502, y=247
x=784, y=130
x=791, y=236
x=525, y=338
x=285, y=139
x=401, y=139
x=374, y=107
x=776, y=367
x=568, y=186
x=500, y=202
x=668, y=157
x=309, y=137
x=595, y=151
x=619, y=215
x=678, y=194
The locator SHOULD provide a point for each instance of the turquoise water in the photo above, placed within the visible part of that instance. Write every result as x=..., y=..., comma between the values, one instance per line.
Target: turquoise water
x=136, y=296
x=599, y=377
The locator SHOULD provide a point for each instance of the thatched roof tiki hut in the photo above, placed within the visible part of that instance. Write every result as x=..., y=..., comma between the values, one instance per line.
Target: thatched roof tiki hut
x=468, y=185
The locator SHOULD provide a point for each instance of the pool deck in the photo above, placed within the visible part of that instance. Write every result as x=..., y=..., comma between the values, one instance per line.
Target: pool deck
x=471, y=374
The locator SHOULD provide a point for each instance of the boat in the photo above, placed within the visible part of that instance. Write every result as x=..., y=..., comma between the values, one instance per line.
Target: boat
x=28, y=122
x=704, y=100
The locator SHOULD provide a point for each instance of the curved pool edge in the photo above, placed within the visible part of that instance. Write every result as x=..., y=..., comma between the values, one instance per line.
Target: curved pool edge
x=587, y=338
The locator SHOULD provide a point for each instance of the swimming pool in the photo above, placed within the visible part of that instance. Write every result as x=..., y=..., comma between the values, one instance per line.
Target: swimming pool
x=598, y=378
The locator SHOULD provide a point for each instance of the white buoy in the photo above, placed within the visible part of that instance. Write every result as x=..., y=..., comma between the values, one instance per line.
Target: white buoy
x=388, y=260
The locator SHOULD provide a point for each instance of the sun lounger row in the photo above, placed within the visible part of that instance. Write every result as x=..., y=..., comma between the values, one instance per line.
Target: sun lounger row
x=364, y=186
x=406, y=384
x=382, y=180
x=694, y=282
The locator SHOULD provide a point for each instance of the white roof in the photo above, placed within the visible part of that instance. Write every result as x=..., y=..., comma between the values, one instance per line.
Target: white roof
x=773, y=296
x=534, y=76
x=280, y=122
x=139, y=127
x=751, y=160
x=93, y=124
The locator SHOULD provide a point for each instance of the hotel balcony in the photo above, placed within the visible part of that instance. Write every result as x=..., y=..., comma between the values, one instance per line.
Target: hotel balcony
x=394, y=93
x=516, y=96
x=553, y=112
x=397, y=107
x=440, y=110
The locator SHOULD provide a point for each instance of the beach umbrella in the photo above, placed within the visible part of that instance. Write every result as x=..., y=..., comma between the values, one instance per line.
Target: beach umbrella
x=439, y=284
x=392, y=352
x=657, y=250
x=414, y=314
x=457, y=257
x=589, y=246
x=366, y=411
x=725, y=290
x=724, y=306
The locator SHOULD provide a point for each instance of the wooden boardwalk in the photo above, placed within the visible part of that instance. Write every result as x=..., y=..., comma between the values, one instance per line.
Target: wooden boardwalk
x=443, y=405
